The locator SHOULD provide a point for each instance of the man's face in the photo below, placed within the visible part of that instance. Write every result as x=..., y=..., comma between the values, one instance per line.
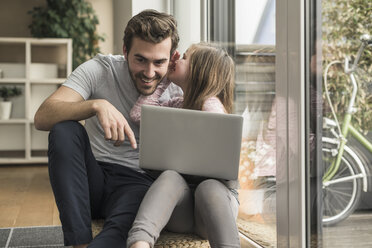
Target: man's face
x=148, y=63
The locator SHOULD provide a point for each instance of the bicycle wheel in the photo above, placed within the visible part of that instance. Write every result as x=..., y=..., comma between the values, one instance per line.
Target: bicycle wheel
x=341, y=194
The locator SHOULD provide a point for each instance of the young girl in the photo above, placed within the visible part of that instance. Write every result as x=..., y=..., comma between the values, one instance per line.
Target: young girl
x=209, y=209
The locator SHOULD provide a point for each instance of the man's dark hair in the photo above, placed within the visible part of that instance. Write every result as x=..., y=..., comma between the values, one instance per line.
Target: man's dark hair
x=151, y=26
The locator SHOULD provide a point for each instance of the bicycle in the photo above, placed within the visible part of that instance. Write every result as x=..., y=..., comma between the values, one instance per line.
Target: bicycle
x=346, y=173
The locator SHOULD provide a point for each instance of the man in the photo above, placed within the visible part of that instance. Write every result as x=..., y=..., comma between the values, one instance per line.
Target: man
x=94, y=169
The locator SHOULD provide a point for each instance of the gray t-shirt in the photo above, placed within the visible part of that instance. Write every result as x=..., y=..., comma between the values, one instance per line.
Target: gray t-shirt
x=107, y=77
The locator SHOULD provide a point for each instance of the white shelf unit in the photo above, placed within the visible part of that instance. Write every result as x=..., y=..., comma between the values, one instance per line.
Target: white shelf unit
x=38, y=67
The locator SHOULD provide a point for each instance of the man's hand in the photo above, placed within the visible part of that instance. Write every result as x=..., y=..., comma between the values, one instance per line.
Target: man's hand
x=113, y=123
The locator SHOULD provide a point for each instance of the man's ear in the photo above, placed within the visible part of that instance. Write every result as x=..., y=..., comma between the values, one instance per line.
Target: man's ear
x=175, y=56
x=125, y=53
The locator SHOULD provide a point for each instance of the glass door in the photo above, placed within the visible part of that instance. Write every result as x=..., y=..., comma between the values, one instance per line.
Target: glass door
x=267, y=41
x=255, y=99
x=339, y=147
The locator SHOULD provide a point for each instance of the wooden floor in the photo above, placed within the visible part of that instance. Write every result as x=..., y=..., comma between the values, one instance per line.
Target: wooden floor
x=26, y=198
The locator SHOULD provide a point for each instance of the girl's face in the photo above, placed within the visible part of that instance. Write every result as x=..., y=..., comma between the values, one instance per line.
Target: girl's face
x=178, y=74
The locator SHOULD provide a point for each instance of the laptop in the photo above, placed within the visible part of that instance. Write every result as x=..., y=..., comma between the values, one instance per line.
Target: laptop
x=190, y=142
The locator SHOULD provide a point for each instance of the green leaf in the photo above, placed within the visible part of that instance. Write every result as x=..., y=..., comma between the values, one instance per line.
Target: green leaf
x=7, y=92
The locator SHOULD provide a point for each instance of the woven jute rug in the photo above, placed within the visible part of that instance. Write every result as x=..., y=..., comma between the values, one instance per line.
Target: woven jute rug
x=262, y=234
x=166, y=239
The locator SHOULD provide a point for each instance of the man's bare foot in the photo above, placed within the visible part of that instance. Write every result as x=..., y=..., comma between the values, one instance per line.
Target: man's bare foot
x=140, y=244
x=80, y=246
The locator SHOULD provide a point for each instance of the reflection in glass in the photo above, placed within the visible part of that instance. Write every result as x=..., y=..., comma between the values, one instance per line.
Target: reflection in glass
x=346, y=142
x=255, y=100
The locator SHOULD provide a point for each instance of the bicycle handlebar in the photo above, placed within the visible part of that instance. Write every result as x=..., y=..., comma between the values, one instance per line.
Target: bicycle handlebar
x=366, y=40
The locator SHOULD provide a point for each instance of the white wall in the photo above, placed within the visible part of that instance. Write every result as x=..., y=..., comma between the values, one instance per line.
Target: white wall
x=105, y=12
x=247, y=18
x=14, y=19
x=187, y=14
x=159, y=5
x=122, y=14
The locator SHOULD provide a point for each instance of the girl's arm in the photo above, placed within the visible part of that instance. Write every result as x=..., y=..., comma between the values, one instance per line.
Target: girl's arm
x=135, y=113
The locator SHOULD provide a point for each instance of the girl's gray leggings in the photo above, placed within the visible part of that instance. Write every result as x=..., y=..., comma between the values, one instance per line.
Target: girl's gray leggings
x=210, y=211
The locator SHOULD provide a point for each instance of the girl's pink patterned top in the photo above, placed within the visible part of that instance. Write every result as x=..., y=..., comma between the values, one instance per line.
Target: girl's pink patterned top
x=212, y=104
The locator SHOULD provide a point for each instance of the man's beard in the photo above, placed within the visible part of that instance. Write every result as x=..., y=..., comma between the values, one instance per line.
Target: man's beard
x=137, y=81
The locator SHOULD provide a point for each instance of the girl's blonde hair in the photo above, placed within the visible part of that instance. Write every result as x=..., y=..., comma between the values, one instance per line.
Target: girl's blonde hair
x=212, y=73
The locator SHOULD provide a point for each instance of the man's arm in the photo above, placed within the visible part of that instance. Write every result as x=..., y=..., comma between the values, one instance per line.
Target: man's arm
x=64, y=104
x=67, y=104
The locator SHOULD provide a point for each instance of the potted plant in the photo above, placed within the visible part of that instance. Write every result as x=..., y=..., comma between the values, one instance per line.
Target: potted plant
x=74, y=19
x=7, y=92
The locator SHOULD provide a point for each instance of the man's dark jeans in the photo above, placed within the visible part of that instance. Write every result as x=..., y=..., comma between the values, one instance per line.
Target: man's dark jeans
x=87, y=189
